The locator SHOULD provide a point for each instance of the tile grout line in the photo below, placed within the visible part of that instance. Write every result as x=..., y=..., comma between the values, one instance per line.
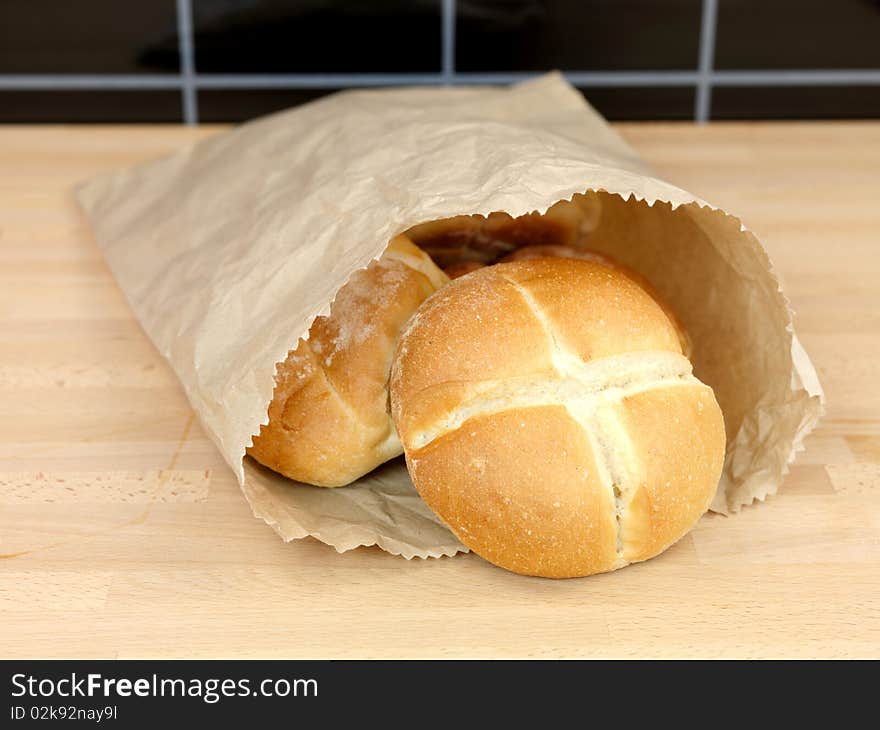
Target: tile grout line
x=447, y=61
x=75, y=82
x=186, y=48
x=133, y=82
x=587, y=78
x=797, y=77
x=708, y=26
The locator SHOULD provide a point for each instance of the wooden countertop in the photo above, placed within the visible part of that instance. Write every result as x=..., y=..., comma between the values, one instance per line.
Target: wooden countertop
x=123, y=534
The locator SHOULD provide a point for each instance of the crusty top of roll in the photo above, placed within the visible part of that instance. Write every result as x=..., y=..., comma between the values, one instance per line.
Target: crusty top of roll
x=570, y=252
x=328, y=420
x=550, y=418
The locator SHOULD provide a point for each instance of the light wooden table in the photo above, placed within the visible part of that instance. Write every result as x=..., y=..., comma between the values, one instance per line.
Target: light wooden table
x=123, y=534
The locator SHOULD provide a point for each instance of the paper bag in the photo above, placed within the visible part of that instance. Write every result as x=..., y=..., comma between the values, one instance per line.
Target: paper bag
x=227, y=251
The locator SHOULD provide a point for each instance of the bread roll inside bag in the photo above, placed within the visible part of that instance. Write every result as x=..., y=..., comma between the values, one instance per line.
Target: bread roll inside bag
x=228, y=250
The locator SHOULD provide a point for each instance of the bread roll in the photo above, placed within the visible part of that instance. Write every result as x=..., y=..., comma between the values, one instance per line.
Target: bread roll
x=569, y=252
x=550, y=419
x=484, y=240
x=329, y=422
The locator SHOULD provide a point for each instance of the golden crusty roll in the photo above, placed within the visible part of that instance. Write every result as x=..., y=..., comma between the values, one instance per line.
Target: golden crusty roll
x=550, y=419
x=570, y=252
x=477, y=239
x=328, y=420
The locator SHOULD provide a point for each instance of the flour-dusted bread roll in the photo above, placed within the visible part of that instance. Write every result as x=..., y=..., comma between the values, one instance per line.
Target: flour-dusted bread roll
x=329, y=421
x=550, y=419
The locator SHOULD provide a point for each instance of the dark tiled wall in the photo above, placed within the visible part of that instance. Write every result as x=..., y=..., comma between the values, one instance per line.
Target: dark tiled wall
x=279, y=36
x=224, y=105
x=89, y=105
x=48, y=45
x=781, y=34
x=643, y=103
x=574, y=34
x=83, y=36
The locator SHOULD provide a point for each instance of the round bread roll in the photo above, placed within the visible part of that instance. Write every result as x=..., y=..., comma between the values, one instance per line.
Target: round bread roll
x=569, y=252
x=329, y=420
x=550, y=419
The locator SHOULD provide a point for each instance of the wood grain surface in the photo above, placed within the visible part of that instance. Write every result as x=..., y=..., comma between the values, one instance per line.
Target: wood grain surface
x=123, y=534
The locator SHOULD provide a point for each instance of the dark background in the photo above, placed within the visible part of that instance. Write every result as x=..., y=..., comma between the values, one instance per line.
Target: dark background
x=119, y=61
